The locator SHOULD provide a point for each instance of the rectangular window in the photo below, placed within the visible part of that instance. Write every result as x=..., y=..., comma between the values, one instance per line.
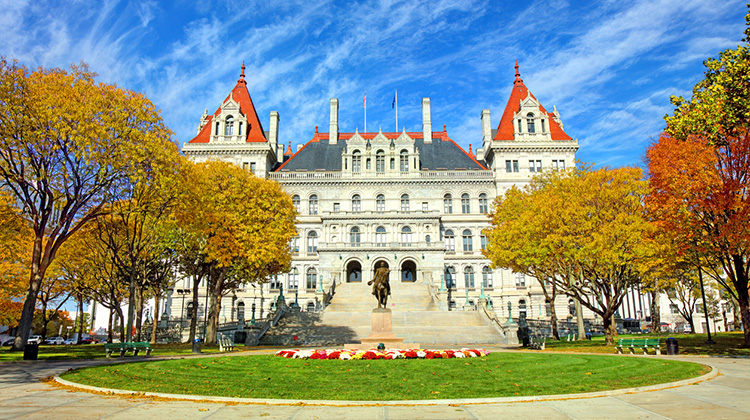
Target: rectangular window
x=532, y=166
x=252, y=167
x=508, y=166
x=336, y=207
x=520, y=280
x=368, y=163
x=425, y=206
x=515, y=166
x=535, y=166
x=543, y=126
x=520, y=129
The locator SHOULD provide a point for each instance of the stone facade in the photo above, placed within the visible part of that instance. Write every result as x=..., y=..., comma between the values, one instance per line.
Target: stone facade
x=414, y=200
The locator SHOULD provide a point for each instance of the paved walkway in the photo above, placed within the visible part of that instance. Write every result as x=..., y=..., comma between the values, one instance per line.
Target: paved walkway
x=726, y=396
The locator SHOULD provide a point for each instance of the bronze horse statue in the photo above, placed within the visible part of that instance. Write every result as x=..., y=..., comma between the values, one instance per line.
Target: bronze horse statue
x=381, y=287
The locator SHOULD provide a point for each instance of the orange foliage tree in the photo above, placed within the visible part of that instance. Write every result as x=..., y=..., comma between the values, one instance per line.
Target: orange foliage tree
x=700, y=174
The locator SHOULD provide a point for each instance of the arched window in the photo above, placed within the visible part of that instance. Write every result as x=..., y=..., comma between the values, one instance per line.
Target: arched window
x=450, y=241
x=522, y=309
x=380, y=202
x=380, y=161
x=189, y=310
x=241, y=311
x=406, y=236
x=294, y=279
x=487, y=277
x=520, y=280
x=313, y=204
x=405, y=202
x=469, y=277
x=450, y=277
x=448, y=204
x=295, y=202
x=483, y=204
x=547, y=307
x=380, y=238
x=467, y=241
x=312, y=278
x=465, y=204
x=530, y=122
x=354, y=236
x=483, y=241
x=310, y=306
x=572, y=307
x=229, y=126
x=404, y=159
x=356, y=161
x=294, y=244
x=312, y=242
x=356, y=203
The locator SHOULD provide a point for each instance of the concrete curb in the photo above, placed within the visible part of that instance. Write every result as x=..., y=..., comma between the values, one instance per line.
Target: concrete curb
x=337, y=403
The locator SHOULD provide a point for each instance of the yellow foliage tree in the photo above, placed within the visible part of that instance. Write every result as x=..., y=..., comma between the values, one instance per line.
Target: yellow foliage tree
x=239, y=228
x=582, y=229
x=69, y=146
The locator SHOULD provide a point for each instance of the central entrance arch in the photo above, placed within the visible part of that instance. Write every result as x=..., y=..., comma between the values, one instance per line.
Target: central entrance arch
x=408, y=271
x=353, y=272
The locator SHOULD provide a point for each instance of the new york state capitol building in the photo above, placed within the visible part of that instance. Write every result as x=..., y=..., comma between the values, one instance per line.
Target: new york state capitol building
x=414, y=201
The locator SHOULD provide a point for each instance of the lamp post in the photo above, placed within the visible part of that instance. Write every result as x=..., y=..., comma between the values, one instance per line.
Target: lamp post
x=705, y=310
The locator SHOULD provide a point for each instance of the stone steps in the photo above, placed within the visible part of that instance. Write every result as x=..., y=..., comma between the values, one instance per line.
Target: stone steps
x=416, y=319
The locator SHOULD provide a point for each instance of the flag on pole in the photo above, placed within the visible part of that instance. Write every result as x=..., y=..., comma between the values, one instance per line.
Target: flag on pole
x=393, y=105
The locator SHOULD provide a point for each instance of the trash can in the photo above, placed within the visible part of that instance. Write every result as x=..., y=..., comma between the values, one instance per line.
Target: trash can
x=31, y=351
x=673, y=348
x=197, y=345
x=588, y=336
x=240, y=337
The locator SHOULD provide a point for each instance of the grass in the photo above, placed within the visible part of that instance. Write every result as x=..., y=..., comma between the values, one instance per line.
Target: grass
x=727, y=344
x=96, y=351
x=498, y=375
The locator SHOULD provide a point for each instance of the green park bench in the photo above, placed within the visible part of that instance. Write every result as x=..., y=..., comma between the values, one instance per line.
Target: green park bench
x=123, y=348
x=538, y=342
x=641, y=343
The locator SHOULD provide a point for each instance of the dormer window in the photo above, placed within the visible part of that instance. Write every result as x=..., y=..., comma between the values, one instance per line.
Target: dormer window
x=543, y=128
x=530, y=122
x=520, y=129
x=404, y=161
x=229, y=126
x=356, y=161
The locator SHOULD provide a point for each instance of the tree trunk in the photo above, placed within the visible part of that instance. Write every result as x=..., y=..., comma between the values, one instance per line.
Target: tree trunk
x=80, y=315
x=213, y=317
x=139, y=313
x=744, y=314
x=45, y=321
x=109, y=326
x=123, y=335
x=194, y=315
x=38, y=268
x=610, y=329
x=655, y=310
x=553, y=319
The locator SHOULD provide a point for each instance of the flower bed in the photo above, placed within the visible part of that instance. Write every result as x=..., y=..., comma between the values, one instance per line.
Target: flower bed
x=391, y=354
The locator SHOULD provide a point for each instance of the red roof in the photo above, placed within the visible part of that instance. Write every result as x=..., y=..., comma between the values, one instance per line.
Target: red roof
x=505, y=129
x=240, y=95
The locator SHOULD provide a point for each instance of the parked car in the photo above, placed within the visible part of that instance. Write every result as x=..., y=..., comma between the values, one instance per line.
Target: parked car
x=8, y=341
x=34, y=339
x=70, y=341
x=88, y=340
x=55, y=340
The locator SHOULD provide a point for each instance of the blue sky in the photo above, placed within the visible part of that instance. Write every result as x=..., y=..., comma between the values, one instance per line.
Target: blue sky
x=608, y=66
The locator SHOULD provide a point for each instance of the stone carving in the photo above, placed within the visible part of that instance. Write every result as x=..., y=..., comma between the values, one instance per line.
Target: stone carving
x=381, y=287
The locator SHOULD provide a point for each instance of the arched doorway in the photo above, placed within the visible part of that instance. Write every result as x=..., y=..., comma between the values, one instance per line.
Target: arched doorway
x=353, y=272
x=408, y=271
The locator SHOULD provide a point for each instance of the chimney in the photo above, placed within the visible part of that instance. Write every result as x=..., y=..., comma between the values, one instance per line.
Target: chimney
x=299, y=146
x=273, y=134
x=486, y=127
x=333, y=129
x=426, y=121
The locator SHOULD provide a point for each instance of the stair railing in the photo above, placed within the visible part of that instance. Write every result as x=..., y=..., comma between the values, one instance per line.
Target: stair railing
x=492, y=318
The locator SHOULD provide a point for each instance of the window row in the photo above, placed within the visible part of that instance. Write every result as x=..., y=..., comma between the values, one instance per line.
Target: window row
x=450, y=277
x=535, y=165
x=467, y=241
x=356, y=204
x=531, y=124
x=380, y=161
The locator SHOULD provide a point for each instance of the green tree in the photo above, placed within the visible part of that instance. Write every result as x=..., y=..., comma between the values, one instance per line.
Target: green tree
x=69, y=146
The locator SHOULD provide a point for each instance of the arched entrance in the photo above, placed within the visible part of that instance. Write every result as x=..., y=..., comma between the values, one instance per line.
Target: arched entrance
x=353, y=272
x=408, y=271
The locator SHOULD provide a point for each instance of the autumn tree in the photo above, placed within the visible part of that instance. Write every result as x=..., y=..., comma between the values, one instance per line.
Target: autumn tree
x=237, y=229
x=69, y=146
x=15, y=240
x=700, y=173
x=582, y=229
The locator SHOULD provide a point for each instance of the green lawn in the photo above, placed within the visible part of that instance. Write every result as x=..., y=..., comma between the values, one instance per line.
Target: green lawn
x=96, y=351
x=498, y=375
x=727, y=344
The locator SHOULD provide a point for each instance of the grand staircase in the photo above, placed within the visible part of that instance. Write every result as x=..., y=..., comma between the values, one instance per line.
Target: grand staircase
x=416, y=319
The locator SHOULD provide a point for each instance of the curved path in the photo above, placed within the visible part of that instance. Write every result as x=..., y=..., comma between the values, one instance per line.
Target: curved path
x=726, y=396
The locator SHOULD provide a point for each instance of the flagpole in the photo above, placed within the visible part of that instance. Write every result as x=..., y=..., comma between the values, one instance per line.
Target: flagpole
x=365, y=111
x=396, y=99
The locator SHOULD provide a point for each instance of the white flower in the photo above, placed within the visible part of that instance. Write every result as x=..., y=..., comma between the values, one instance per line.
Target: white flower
x=421, y=354
x=459, y=355
x=345, y=356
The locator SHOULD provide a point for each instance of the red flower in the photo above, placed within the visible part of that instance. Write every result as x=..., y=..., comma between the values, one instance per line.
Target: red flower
x=429, y=355
x=334, y=355
x=410, y=354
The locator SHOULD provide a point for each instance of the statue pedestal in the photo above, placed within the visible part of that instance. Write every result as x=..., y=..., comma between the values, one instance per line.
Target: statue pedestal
x=382, y=332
